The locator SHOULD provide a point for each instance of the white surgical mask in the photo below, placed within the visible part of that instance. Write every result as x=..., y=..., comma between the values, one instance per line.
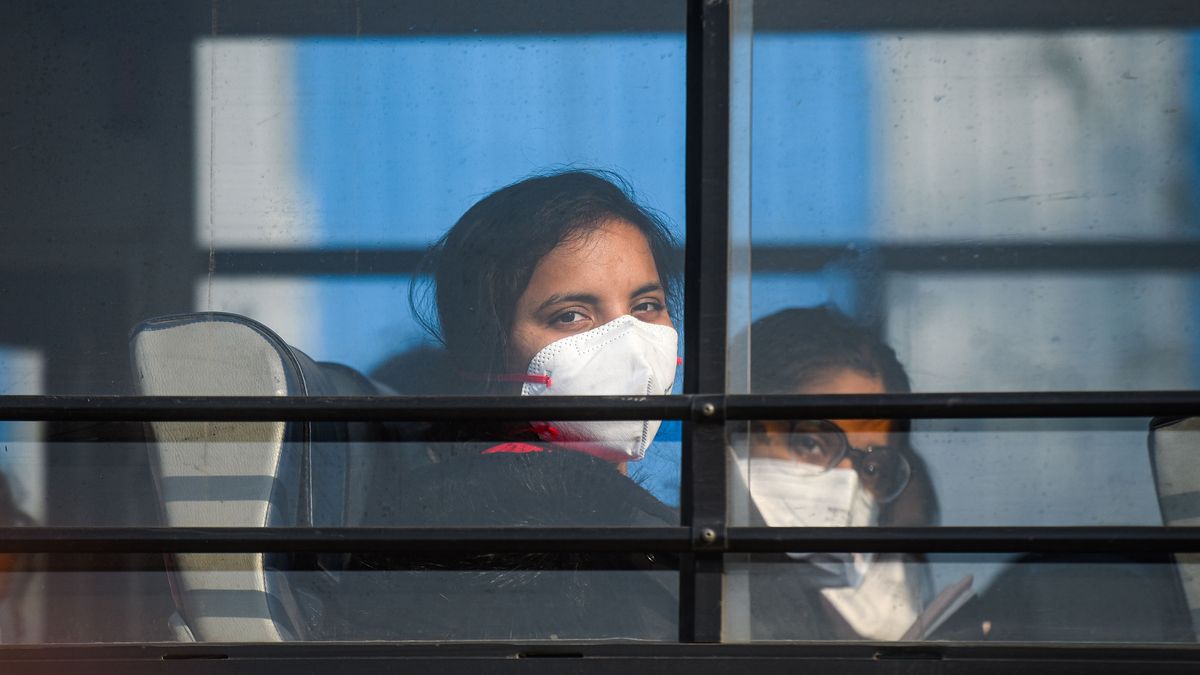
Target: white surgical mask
x=874, y=595
x=624, y=357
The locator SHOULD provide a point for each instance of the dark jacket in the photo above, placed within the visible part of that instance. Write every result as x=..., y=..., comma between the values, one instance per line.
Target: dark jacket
x=512, y=596
x=1080, y=597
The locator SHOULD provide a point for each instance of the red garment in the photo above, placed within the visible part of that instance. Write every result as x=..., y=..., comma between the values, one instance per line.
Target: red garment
x=513, y=448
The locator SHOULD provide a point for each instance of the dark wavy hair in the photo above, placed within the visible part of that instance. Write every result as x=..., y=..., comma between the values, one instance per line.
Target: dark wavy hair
x=473, y=276
x=793, y=347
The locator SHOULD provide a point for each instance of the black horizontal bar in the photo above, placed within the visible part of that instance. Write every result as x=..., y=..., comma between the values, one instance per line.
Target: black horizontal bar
x=339, y=408
x=1007, y=405
x=955, y=15
x=474, y=18
x=602, y=656
x=1088, y=539
x=312, y=262
x=1047, y=256
x=76, y=540
x=1004, y=405
x=480, y=18
x=1101, y=257
x=317, y=540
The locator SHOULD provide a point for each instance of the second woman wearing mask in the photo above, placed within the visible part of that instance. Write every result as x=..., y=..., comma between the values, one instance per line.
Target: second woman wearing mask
x=831, y=473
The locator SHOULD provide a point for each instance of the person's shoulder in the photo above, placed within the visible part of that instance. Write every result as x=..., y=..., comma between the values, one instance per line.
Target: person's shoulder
x=550, y=487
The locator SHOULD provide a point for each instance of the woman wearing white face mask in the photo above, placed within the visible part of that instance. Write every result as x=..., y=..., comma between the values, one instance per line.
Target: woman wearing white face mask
x=815, y=473
x=555, y=285
x=558, y=285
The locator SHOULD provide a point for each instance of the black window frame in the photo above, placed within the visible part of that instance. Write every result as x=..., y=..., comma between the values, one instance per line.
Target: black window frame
x=703, y=537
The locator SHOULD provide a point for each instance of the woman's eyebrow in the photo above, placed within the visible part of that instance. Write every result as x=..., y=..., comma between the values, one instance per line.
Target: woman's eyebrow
x=585, y=298
x=651, y=287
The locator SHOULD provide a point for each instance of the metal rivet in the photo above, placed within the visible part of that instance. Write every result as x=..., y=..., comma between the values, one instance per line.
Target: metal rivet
x=708, y=535
x=708, y=410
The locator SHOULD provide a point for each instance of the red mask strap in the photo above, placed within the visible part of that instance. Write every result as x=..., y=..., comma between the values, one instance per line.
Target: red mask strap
x=522, y=378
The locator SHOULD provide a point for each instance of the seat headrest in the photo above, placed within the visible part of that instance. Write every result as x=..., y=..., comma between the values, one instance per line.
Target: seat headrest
x=1175, y=455
x=247, y=474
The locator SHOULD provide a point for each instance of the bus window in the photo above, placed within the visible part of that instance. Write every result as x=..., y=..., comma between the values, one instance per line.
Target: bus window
x=962, y=212
x=406, y=228
x=252, y=192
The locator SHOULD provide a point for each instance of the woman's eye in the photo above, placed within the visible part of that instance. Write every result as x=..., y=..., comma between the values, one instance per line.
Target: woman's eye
x=568, y=318
x=810, y=448
x=807, y=445
x=648, y=306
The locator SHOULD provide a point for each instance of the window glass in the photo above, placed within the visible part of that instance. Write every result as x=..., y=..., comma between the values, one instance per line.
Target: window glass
x=1053, y=472
x=22, y=491
x=354, y=326
x=963, y=211
x=217, y=199
x=382, y=142
x=248, y=475
x=1062, y=599
x=1014, y=211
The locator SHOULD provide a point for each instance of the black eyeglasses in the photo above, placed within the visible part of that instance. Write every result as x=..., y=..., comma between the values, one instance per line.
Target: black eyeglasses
x=883, y=470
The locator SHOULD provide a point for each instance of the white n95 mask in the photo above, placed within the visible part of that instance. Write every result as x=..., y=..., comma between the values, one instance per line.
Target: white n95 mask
x=874, y=595
x=624, y=357
x=794, y=494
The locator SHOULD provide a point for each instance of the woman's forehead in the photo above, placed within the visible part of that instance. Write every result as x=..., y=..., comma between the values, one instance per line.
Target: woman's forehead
x=610, y=256
x=842, y=381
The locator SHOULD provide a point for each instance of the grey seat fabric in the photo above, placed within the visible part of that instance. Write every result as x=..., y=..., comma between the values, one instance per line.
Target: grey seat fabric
x=1175, y=451
x=248, y=474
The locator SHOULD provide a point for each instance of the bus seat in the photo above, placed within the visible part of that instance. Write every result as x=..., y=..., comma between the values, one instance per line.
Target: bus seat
x=1175, y=452
x=249, y=474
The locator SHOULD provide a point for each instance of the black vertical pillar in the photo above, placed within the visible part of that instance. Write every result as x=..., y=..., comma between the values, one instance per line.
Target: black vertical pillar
x=702, y=496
